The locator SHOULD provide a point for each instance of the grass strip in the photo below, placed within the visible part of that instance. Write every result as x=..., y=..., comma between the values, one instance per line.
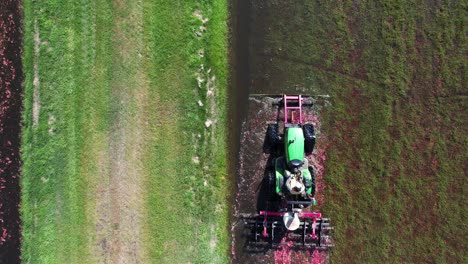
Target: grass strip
x=66, y=154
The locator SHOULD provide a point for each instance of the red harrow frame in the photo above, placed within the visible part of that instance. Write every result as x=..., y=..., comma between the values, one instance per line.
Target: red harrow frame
x=267, y=230
x=291, y=104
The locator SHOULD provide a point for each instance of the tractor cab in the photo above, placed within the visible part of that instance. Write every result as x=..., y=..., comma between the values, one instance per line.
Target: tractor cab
x=294, y=178
x=294, y=183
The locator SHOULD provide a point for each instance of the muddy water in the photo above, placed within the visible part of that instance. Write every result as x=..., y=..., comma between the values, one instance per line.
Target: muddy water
x=261, y=31
x=10, y=117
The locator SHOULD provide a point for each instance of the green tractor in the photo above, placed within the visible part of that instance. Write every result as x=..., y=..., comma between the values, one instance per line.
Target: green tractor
x=293, y=179
x=291, y=185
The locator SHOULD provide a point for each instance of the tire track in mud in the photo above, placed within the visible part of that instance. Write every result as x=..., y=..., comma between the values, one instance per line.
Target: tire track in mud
x=119, y=207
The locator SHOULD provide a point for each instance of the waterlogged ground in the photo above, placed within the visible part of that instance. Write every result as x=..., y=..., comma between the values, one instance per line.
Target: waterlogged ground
x=10, y=109
x=251, y=171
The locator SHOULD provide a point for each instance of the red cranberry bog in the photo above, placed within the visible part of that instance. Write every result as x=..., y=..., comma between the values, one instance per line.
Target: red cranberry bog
x=10, y=117
x=393, y=130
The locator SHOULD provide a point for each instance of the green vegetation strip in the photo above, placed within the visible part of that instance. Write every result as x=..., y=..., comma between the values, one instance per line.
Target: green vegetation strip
x=186, y=197
x=73, y=48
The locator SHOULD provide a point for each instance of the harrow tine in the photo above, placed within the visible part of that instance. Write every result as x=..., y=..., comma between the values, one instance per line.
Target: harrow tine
x=304, y=234
x=273, y=226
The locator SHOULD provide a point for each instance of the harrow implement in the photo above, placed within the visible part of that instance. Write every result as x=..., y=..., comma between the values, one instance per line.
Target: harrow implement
x=268, y=229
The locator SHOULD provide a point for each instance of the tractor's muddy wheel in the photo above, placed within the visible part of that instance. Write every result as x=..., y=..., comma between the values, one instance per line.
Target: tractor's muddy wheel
x=312, y=175
x=273, y=137
x=273, y=198
x=271, y=184
x=309, y=137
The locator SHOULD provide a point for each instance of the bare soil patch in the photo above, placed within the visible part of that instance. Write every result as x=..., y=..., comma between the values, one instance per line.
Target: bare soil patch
x=36, y=82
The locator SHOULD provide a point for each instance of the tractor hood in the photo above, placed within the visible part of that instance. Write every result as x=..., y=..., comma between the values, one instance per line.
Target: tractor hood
x=294, y=145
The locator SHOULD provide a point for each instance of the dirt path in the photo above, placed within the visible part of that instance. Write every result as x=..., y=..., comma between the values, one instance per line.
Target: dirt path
x=119, y=208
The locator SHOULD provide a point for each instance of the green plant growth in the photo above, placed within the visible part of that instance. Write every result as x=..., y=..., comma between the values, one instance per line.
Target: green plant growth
x=114, y=85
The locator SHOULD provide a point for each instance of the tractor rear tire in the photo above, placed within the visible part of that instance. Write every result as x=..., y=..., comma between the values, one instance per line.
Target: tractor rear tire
x=273, y=136
x=312, y=176
x=309, y=137
x=271, y=181
x=272, y=195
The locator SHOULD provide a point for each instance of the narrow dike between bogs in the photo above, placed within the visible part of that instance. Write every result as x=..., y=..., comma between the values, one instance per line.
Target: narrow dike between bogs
x=10, y=127
x=252, y=109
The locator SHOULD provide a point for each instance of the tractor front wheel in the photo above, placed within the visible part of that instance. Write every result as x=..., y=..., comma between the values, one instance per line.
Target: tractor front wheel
x=273, y=136
x=309, y=137
x=312, y=176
